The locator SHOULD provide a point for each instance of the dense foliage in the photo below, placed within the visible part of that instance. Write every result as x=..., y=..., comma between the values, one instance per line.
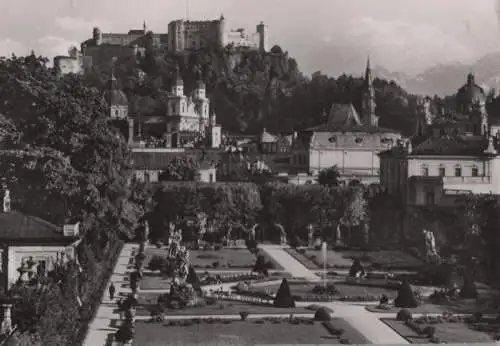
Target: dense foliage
x=251, y=90
x=65, y=163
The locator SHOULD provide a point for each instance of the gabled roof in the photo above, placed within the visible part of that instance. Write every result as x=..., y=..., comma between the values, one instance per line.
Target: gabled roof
x=18, y=227
x=343, y=115
x=266, y=137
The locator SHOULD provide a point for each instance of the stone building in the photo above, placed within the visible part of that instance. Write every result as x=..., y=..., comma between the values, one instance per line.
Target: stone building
x=347, y=140
x=71, y=63
x=186, y=34
x=30, y=246
x=447, y=158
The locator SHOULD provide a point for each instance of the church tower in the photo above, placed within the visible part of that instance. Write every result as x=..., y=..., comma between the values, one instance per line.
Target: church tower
x=116, y=100
x=369, y=105
x=424, y=116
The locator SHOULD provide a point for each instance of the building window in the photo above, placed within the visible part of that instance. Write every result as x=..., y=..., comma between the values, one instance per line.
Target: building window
x=475, y=171
x=458, y=171
x=211, y=178
x=358, y=140
x=429, y=197
x=425, y=170
x=442, y=171
x=173, y=109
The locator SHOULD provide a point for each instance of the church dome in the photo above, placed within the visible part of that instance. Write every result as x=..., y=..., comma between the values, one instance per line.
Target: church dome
x=470, y=93
x=114, y=96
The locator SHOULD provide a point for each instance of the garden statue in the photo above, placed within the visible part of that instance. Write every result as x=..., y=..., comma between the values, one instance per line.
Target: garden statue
x=202, y=222
x=6, y=327
x=6, y=201
x=430, y=246
x=310, y=235
x=252, y=232
x=338, y=235
x=146, y=231
x=366, y=233
x=283, y=239
x=25, y=270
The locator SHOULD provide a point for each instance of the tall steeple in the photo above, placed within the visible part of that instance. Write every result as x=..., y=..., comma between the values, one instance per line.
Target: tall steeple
x=144, y=27
x=369, y=105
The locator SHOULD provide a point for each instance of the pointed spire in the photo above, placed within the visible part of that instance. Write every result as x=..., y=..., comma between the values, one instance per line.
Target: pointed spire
x=144, y=27
x=368, y=72
x=222, y=16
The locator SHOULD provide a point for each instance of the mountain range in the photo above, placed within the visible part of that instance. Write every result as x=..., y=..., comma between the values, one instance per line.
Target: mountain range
x=445, y=79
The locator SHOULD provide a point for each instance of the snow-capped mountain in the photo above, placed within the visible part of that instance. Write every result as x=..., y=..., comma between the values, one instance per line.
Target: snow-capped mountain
x=445, y=79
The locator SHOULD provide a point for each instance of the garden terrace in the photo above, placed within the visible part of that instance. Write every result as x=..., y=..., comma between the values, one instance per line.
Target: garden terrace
x=449, y=329
x=155, y=281
x=303, y=291
x=221, y=259
x=147, y=303
x=343, y=259
x=249, y=332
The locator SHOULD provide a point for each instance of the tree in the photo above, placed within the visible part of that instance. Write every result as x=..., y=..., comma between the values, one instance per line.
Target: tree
x=355, y=214
x=284, y=298
x=83, y=159
x=180, y=168
x=329, y=176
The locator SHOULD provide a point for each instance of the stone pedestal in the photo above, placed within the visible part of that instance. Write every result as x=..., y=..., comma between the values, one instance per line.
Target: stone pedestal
x=130, y=131
x=7, y=321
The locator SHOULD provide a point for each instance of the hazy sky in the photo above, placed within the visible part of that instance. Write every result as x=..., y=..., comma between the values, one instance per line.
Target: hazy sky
x=328, y=35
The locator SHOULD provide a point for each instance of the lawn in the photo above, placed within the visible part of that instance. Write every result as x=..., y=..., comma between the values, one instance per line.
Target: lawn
x=148, y=300
x=344, y=289
x=383, y=259
x=446, y=332
x=243, y=333
x=155, y=281
x=229, y=259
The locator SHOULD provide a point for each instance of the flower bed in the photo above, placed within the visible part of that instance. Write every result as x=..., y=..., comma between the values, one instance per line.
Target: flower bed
x=437, y=329
x=332, y=298
x=374, y=282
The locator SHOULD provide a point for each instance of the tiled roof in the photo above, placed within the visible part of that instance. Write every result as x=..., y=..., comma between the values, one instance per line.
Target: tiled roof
x=459, y=145
x=15, y=226
x=350, y=128
x=266, y=137
x=343, y=115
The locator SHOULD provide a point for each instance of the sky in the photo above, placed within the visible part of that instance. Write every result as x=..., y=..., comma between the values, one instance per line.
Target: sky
x=333, y=36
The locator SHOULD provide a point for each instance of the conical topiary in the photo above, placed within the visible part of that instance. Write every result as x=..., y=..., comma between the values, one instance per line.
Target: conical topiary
x=468, y=290
x=284, y=297
x=192, y=278
x=260, y=265
x=406, y=297
x=322, y=315
x=356, y=268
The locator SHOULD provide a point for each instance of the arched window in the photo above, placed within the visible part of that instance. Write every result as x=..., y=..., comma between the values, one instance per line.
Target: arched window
x=442, y=171
x=475, y=171
x=425, y=170
x=458, y=171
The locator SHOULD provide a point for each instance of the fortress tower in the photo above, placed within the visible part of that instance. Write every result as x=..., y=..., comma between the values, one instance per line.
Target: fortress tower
x=263, y=36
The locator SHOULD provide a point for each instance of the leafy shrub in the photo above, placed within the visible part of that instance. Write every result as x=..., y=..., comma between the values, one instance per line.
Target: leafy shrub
x=329, y=289
x=218, y=247
x=261, y=265
x=125, y=333
x=322, y=315
x=468, y=290
x=216, y=264
x=284, y=297
x=243, y=315
x=356, y=268
x=210, y=301
x=404, y=315
x=435, y=340
x=430, y=331
x=157, y=263
x=406, y=297
x=345, y=341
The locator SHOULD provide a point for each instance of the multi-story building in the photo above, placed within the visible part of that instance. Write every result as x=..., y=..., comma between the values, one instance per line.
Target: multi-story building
x=347, y=141
x=186, y=34
x=182, y=35
x=448, y=158
x=185, y=125
x=72, y=63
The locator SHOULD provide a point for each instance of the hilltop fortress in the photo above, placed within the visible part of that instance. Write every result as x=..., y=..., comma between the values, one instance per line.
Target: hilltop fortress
x=182, y=35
